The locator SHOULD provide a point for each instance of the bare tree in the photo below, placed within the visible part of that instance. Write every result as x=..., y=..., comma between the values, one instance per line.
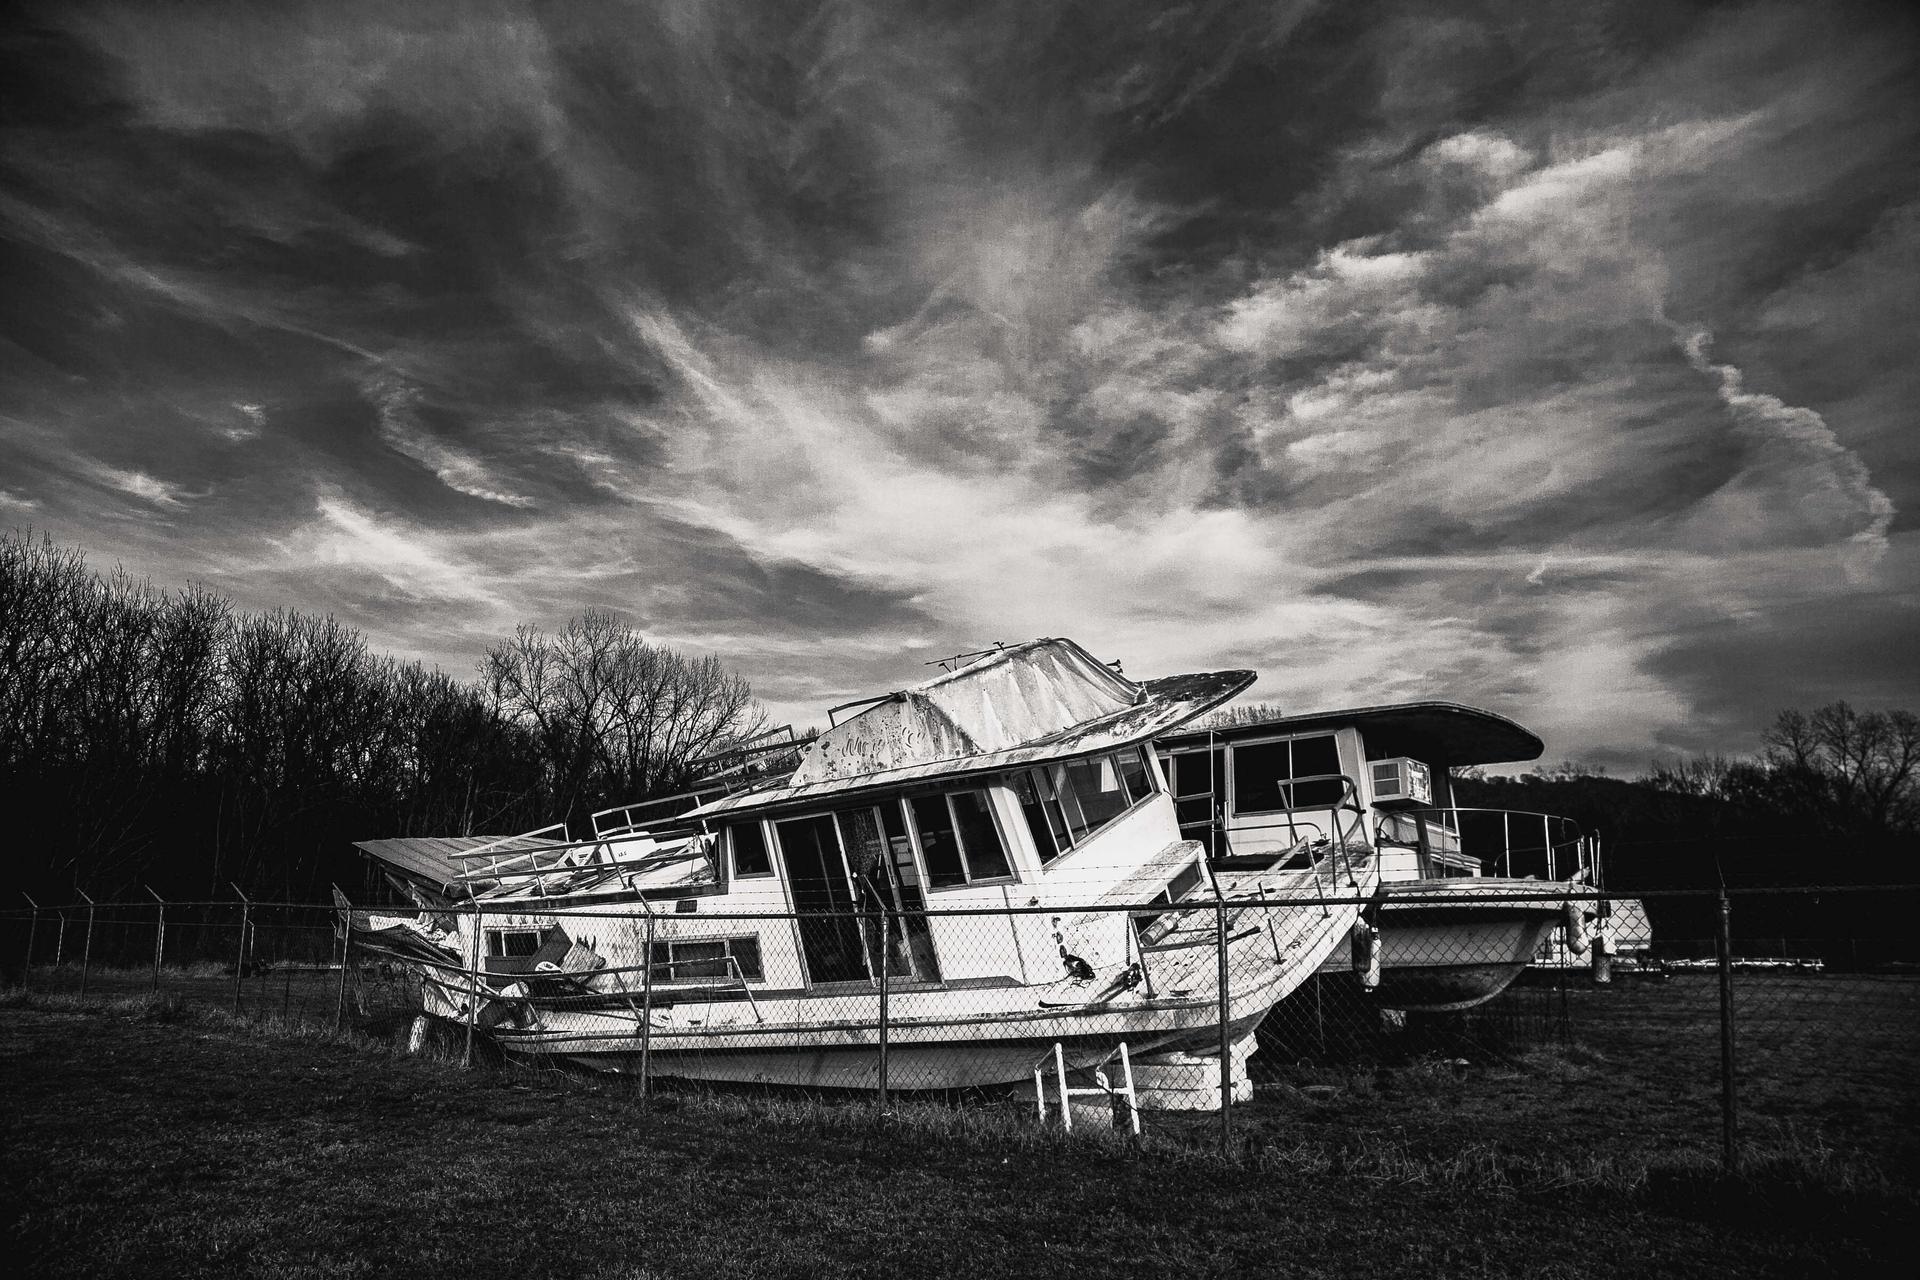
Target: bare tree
x=618, y=717
x=1241, y=713
x=1862, y=765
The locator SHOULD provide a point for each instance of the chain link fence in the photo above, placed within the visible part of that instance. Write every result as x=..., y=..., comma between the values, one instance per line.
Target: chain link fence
x=1578, y=1019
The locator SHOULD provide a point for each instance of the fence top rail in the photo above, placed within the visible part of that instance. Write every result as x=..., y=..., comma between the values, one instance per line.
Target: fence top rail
x=1558, y=891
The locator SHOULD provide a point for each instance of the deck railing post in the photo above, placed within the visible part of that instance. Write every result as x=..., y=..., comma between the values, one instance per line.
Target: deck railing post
x=1729, y=1091
x=646, y=1017
x=33, y=928
x=240, y=954
x=473, y=988
x=159, y=935
x=886, y=953
x=86, y=950
x=1226, y=1040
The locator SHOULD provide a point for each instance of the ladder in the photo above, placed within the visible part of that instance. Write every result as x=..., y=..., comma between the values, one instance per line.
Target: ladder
x=1101, y=1085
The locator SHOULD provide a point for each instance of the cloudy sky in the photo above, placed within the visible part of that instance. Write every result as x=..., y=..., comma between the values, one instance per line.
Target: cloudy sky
x=1556, y=357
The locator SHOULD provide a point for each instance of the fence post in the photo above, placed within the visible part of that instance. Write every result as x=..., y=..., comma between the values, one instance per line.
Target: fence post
x=240, y=954
x=1729, y=1092
x=345, y=911
x=886, y=944
x=646, y=1013
x=159, y=936
x=33, y=927
x=60, y=942
x=473, y=988
x=1226, y=1045
x=86, y=951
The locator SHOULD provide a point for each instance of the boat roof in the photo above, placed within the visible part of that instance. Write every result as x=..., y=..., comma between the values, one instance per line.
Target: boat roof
x=431, y=860
x=1042, y=700
x=1461, y=734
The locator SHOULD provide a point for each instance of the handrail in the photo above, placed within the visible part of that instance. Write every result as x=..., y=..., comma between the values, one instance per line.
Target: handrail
x=491, y=848
x=1549, y=845
x=682, y=853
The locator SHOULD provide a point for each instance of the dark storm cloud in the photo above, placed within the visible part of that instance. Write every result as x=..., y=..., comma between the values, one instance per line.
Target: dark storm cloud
x=1397, y=351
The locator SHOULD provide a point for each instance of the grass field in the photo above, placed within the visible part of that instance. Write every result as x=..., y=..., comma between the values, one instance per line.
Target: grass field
x=151, y=1137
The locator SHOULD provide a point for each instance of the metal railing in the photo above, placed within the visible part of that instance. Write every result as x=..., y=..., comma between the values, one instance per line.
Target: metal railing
x=1561, y=841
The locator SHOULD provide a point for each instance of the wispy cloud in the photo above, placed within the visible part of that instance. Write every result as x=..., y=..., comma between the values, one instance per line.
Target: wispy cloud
x=1365, y=348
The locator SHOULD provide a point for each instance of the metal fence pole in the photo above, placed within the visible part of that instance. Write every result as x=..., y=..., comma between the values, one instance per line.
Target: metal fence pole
x=159, y=936
x=346, y=951
x=240, y=953
x=60, y=943
x=886, y=944
x=473, y=989
x=286, y=969
x=33, y=928
x=86, y=951
x=1729, y=1092
x=1226, y=1045
x=646, y=1015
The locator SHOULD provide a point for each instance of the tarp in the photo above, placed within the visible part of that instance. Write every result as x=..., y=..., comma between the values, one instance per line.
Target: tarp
x=1028, y=703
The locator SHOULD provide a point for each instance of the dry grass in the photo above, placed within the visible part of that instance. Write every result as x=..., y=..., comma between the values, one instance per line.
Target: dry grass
x=149, y=1136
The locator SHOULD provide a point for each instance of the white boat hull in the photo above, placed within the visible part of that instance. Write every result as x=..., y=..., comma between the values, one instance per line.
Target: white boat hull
x=946, y=1037
x=1456, y=943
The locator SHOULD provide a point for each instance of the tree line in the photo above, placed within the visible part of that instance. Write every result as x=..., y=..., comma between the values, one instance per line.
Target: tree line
x=1831, y=797
x=162, y=737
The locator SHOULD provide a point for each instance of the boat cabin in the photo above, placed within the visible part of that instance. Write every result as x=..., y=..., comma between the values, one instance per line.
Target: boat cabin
x=1385, y=771
x=1025, y=779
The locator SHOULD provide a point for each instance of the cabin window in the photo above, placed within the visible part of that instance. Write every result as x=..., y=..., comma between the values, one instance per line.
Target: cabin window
x=1041, y=805
x=1135, y=773
x=1067, y=802
x=1198, y=782
x=683, y=960
x=1266, y=775
x=1099, y=793
x=979, y=838
x=750, y=857
x=516, y=943
x=958, y=839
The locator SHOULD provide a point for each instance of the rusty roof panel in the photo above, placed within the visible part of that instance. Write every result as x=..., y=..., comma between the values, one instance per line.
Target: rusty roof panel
x=1156, y=707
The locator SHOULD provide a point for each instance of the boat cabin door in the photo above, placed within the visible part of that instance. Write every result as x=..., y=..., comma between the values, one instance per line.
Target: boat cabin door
x=1198, y=781
x=846, y=871
x=831, y=938
x=885, y=873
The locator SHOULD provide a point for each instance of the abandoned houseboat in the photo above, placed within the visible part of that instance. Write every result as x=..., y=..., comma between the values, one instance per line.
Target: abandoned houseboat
x=958, y=882
x=1466, y=895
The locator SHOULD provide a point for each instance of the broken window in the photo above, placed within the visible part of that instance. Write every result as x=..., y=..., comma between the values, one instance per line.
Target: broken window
x=750, y=857
x=958, y=839
x=512, y=942
x=1066, y=803
x=685, y=960
x=1293, y=773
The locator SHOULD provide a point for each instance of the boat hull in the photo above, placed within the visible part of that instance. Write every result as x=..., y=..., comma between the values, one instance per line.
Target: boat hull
x=941, y=1037
x=1448, y=945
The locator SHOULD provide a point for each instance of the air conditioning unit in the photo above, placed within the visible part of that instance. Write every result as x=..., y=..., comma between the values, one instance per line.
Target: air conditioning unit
x=1401, y=781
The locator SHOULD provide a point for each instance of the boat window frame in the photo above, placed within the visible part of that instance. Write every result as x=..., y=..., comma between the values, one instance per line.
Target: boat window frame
x=726, y=941
x=1233, y=771
x=1156, y=786
x=498, y=935
x=945, y=795
x=766, y=848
